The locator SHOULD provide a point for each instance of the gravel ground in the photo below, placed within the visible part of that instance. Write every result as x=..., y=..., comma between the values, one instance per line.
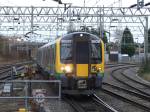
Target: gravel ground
x=108, y=78
x=54, y=105
x=50, y=105
x=10, y=105
x=119, y=105
x=129, y=96
x=133, y=74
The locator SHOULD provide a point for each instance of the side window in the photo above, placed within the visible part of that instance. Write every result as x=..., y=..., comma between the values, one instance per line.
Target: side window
x=51, y=56
x=66, y=51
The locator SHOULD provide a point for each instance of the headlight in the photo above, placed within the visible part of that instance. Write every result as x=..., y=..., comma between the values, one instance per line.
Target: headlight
x=99, y=68
x=62, y=68
x=67, y=68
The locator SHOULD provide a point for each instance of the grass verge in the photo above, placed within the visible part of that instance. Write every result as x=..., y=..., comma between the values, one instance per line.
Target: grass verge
x=145, y=76
x=144, y=70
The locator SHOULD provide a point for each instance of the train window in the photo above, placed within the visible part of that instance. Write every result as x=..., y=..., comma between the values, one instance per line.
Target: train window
x=66, y=52
x=96, y=53
x=82, y=52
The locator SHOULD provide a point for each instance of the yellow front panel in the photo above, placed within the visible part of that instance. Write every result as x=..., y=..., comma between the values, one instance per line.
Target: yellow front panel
x=82, y=70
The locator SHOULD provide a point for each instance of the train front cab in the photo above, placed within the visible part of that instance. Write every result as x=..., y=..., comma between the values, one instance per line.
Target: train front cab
x=80, y=62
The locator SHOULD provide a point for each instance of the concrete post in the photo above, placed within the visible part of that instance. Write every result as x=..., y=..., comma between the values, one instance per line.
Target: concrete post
x=146, y=40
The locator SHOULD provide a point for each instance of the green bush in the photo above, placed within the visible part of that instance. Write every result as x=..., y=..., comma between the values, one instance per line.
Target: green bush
x=145, y=66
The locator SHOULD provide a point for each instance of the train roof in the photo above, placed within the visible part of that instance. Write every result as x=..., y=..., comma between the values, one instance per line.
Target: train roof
x=71, y=36
x=75, y=34
x=48, y=44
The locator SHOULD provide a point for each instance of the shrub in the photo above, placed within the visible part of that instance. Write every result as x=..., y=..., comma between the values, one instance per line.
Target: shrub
x=145, y=66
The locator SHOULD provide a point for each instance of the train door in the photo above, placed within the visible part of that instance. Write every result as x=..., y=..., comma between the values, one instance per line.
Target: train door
x=81, y=57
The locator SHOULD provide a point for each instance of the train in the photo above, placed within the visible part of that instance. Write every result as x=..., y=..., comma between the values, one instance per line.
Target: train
x=77, y=59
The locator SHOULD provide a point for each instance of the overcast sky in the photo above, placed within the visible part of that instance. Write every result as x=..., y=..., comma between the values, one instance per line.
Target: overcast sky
x=87, y=3
x=92, y=3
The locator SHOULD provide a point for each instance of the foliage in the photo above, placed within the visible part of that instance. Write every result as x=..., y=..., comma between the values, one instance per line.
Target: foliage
x=144, y=70
x=127, y=43
x=145, y=67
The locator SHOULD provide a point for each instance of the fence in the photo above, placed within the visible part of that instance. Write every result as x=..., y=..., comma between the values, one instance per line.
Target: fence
x=114, y=51
x=37, y=90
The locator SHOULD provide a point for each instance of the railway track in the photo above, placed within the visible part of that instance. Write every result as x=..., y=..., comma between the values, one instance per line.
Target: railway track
x=128, y=100
x=88, y=104
x=134, y=92
x=132, y=97
x=132, y=83
x=128, y=91
x=9, y=90
x=117, y=64
x=5, y=66
x=129, y=78
x=6, y=70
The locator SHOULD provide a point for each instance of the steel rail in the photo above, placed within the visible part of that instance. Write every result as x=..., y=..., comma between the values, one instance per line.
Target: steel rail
x=95, y=104
x=5, y=70
x=144, y=84
x=145, y=97
x=141, y=106
x=104, y=104
x=8, y=67
x=123, y=82
x=74, y=105
x=118, y=64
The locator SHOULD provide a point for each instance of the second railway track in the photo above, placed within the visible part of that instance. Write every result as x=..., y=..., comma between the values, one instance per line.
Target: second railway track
x=139, y=100
x=118, y=75
x=88, y=104
x=6, y=70
x=126, y=88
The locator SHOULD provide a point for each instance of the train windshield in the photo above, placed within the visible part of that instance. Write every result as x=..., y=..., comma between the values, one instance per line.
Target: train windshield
x=96, y=53
x=66, y=51
x=82, y=52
